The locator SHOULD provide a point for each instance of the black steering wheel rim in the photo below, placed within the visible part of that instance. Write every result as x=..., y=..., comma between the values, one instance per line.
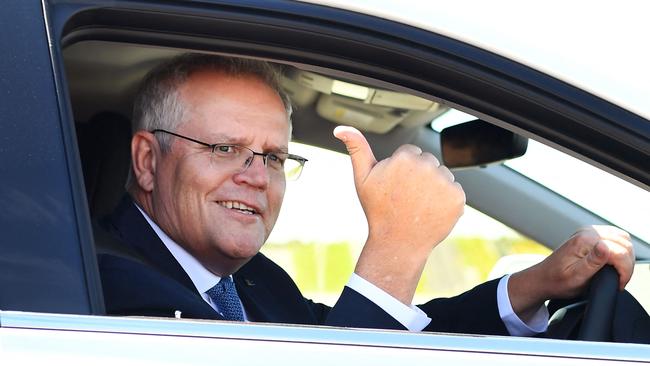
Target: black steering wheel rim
x=601, y=300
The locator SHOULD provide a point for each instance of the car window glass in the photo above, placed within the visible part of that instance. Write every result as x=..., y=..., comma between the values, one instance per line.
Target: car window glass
x=612, y=198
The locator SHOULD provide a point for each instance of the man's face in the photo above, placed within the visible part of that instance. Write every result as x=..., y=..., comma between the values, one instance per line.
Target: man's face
x=192, y=190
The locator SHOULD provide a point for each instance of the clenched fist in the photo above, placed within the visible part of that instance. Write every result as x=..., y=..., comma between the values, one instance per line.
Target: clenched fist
x=411, y=203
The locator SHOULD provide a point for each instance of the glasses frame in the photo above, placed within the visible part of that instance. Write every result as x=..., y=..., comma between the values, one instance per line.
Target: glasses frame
x=248, y=162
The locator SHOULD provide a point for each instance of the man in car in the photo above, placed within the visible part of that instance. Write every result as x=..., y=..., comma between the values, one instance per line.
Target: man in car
x=209, y=166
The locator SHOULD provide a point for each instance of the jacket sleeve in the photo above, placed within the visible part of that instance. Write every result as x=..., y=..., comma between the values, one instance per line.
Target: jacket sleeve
x=356, y=311
x=475, y=311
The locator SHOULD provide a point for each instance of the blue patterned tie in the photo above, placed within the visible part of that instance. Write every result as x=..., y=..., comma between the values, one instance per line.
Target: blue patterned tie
x=224, y=295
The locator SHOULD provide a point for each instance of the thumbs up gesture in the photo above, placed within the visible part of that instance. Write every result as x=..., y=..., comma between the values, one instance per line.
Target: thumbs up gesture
x=411, y=203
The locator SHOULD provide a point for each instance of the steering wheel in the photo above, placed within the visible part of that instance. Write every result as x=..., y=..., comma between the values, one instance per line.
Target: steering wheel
x=601, y=300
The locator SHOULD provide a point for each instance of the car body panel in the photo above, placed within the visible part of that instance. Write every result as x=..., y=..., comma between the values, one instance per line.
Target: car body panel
x=40, y=238
x=66, y=338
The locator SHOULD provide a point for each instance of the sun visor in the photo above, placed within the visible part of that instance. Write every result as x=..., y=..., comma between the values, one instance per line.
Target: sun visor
x=365, y=117
x=366, y=108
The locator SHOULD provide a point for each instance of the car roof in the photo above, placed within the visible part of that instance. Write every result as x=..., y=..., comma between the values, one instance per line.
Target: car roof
x=577, y=42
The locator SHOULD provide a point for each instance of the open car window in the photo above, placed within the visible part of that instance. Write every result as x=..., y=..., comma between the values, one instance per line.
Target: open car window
x=394, y=103
x=322, y=229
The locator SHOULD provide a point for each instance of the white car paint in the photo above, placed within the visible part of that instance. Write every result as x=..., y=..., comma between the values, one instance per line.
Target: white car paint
x=599, y=46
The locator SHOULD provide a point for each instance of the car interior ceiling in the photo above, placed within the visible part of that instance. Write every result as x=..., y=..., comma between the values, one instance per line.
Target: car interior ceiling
x=103, y=78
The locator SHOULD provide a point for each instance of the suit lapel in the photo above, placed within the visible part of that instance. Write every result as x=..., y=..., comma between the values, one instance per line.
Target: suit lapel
x=263, y=294
x=254, y=298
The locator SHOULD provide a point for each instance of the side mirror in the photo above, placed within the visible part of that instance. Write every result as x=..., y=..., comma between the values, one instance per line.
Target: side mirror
x=478, y=143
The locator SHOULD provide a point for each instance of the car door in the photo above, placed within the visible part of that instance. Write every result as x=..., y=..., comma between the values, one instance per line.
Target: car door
x=313, y=37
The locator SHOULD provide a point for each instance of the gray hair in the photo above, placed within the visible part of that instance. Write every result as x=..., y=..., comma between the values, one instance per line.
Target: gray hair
x=159, y=106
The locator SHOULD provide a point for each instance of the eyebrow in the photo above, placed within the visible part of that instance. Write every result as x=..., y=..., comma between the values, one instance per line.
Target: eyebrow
x=225, y=139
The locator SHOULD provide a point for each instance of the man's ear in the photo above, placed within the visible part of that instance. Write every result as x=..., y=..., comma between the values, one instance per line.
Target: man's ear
x=144, y=152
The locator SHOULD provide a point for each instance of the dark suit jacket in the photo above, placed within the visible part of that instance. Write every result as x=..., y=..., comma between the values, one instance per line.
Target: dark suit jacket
x=141, y=277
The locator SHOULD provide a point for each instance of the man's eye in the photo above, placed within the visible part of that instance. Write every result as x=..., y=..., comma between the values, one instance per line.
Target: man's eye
x=225, y=149
x=275, y=159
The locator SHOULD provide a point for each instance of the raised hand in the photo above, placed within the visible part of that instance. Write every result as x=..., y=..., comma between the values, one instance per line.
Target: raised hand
x=411, y=203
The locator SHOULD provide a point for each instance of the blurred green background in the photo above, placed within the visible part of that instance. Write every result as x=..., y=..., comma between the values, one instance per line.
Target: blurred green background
x=457, y=264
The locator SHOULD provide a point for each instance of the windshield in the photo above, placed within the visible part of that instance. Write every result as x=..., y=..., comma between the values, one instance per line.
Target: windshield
x=604, y=194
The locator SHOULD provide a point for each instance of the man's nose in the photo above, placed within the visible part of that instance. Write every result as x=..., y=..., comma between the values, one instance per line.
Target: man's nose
x=255, y=173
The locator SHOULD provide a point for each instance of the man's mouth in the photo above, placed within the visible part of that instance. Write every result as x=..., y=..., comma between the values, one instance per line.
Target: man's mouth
x=238, y=206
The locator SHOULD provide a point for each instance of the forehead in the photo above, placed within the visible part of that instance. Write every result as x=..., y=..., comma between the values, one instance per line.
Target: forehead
x=240, y=107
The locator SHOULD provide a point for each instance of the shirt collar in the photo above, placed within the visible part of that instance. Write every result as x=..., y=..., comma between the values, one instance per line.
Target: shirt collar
x=201, y=277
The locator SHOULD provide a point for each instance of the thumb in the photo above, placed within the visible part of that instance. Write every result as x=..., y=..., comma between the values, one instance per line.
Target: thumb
x=597, y=256
x=360, y=152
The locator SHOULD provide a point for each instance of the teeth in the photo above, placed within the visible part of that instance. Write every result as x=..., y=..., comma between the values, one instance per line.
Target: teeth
x=237, y=206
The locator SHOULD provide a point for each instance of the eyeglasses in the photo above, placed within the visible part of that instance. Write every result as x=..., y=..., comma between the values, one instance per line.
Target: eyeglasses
x=240, y=157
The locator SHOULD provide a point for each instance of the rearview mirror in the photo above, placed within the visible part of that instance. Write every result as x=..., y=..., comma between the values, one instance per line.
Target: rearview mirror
x=478, y=143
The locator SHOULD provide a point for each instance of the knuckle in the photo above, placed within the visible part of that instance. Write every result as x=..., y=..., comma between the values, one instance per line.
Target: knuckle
x=430, y=158
x=582, y=238
x=406, y=150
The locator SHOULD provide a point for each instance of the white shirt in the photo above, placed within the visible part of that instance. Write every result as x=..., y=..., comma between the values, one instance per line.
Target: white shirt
x=410, y=317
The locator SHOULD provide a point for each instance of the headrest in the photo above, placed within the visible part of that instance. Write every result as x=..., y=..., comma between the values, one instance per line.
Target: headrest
x=104, y=145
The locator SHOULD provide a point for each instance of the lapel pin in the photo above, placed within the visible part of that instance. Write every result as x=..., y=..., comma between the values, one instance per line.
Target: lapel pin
x=249, y=282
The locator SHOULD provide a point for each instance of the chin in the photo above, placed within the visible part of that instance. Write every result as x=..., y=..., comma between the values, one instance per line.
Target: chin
x=245, y=250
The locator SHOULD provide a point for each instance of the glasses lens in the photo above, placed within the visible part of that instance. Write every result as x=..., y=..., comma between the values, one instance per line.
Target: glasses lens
x=292, y=169
x=232, y=157
x=239, y=158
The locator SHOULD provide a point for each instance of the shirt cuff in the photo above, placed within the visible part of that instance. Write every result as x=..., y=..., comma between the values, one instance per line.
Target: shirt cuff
x=411, y=317
x=515, y=326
